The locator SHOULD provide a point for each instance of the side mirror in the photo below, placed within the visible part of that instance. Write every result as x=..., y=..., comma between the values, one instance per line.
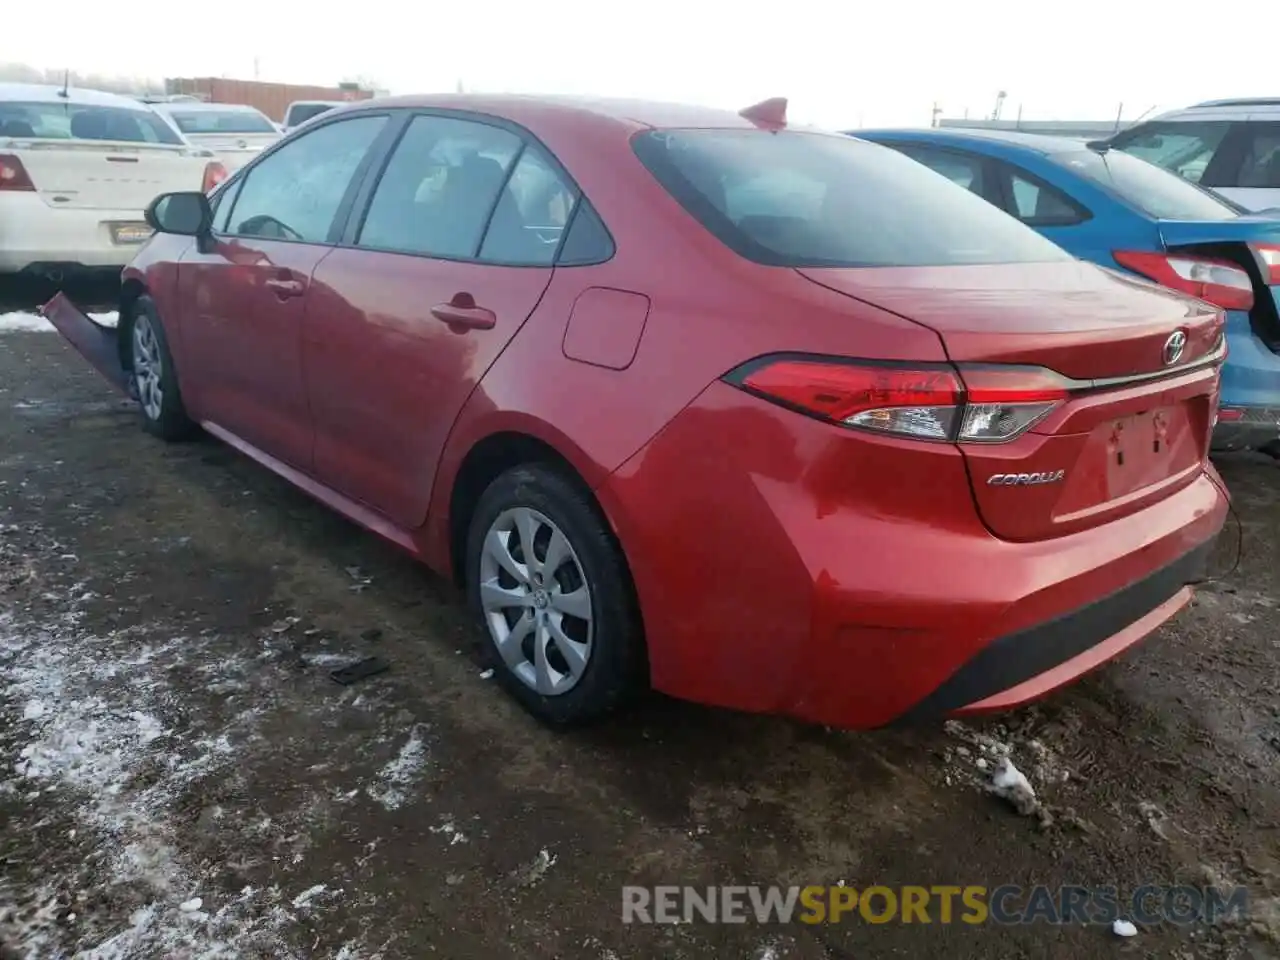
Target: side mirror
x=186, y=214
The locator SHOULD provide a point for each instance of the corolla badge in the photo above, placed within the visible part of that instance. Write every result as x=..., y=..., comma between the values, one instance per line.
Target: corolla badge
x=1173, y=348
x=1025, y=479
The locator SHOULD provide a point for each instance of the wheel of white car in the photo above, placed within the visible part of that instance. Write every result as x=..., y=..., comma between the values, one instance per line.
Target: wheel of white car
x=154, y=377
x=551, y=586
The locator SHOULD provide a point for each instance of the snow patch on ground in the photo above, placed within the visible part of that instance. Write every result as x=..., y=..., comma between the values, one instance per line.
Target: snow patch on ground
x=396, y=779
x=102, y=737
x=15, y=322
x=23, y=322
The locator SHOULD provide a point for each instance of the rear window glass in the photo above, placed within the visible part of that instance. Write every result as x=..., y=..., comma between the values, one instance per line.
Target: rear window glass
x=221, y=121
x=803, y=199
x=302, y=112
x=78, y=121
x=1154, y=191
x=1180, y=147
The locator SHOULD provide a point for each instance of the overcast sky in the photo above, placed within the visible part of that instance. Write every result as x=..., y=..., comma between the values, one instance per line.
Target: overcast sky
x=840, y=62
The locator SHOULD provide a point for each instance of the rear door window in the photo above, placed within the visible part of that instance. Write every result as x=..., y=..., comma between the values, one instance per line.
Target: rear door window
x=1182, y=148
x=439, y=188
x=1260, y=165
x=964, y=170
x=295, y=192
x=809, y=199
x=1037, y=204
x=532, y=212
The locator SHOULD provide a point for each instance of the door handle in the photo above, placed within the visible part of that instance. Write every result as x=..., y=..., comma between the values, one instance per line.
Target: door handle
x=284, y=289
x=464, y=318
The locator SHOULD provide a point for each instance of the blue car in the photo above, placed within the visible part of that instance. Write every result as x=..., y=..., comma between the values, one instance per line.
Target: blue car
x=1121, y=212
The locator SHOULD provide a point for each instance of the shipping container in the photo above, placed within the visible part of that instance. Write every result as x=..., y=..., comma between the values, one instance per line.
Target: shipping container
x=271, y=98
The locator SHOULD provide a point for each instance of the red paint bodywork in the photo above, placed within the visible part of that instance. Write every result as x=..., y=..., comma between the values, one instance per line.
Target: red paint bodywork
x=781, y=563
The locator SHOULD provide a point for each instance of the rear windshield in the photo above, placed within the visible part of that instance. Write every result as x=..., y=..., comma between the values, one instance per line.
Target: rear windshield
x=804, y=199
x=221, y=121
x=78, y=121
x=302, y=112
x=1154, y=191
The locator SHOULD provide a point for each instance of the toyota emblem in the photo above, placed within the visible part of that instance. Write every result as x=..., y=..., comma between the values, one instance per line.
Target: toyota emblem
x=1173, y=348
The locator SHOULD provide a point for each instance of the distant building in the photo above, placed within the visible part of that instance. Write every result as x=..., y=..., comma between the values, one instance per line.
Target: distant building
x=1083, y=129
x=271, y=98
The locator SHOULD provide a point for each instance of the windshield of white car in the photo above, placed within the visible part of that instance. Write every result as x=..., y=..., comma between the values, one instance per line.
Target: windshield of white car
x=80, y=121
x=1153, y=190
x=222, y=121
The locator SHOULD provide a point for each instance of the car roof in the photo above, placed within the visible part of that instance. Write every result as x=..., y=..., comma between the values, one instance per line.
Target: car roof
x=1041, y=143
x=50, y=93
x=1242, y=102
x=522, y=108
x=1238, y=108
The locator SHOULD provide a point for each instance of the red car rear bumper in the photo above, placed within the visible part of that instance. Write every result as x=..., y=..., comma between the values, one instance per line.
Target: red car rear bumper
x=787, y=566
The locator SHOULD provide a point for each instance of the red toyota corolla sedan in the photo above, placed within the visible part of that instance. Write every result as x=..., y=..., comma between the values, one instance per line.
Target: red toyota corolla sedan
x=771, y=418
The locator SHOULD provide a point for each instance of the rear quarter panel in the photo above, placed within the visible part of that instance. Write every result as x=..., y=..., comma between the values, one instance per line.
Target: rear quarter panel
x=710, y=310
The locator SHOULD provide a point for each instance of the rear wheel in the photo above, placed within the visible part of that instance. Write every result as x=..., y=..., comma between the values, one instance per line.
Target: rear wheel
x=154, y=378
x=553, y=591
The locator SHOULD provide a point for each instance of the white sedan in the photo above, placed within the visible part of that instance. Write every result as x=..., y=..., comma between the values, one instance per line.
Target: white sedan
x=77, y=170
x=235, y=132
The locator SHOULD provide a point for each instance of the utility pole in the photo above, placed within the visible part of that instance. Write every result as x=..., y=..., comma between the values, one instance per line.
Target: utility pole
x=937, y=112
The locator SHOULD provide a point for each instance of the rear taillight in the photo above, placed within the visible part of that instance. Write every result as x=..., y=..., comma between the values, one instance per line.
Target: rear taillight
x=1269, y=259
x=214, y=174
x=13, y=175
x=1219, y=282
x=980, y=404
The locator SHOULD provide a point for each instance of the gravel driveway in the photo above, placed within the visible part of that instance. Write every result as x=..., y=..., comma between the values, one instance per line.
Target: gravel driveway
x=180, y=777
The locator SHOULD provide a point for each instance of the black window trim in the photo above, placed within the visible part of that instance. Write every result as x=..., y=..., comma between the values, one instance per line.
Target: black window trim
x=1005, y=172
x=986, y=166
x=582, y=204
x=362, y=199
x=343, y=210
x=1228, y=153
x=229, y=188
x=1234, y=148
x=997, y=186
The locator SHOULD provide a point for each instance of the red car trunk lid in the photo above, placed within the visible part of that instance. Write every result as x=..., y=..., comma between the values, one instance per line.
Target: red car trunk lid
x=1081, y=320
x=1136, y=359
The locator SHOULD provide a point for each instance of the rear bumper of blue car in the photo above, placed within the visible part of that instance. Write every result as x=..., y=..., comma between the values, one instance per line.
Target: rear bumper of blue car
x=1249, y=411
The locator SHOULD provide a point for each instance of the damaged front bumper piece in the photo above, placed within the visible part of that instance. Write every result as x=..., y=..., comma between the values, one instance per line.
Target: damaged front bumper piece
x=96, y=342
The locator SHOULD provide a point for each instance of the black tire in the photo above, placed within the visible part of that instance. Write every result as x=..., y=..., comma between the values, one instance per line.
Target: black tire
x=617, y=668
x=170, y=422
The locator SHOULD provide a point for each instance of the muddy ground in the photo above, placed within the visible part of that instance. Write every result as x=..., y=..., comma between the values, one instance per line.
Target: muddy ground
x=169, y=731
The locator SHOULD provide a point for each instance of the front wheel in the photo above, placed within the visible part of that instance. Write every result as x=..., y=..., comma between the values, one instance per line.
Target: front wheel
x=550, y=584
x=155, y=380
